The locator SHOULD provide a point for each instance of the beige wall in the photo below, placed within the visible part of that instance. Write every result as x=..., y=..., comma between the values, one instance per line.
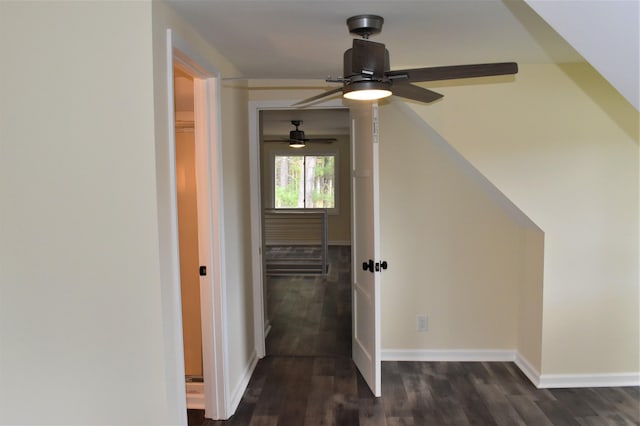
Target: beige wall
x=458, y=250
x=87, y=296
x=563, y=146
x=81, y=324
x=340, y=223
x=530, y=298
x=454, y=244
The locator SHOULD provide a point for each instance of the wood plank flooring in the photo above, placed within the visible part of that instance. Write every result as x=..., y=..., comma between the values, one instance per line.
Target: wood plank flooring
x=314, y=391
x=309, y=379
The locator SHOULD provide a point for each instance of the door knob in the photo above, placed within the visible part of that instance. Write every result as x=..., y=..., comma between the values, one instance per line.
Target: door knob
x=368, y=266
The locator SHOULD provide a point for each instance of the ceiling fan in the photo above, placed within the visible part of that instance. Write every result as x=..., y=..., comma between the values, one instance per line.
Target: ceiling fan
x=297, y=138
x=367, y=74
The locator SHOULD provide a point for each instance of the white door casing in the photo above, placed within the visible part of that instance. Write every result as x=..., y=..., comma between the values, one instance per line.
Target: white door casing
x=365, y=244
x=210, y=226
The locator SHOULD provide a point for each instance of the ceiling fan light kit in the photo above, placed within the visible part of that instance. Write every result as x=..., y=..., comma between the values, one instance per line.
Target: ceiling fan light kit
x=367, y=74
x=297, y=138
x=297, y=144
x=367, y=90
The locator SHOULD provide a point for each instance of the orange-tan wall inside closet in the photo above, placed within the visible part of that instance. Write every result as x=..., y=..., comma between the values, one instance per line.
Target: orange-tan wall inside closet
x=188, y=235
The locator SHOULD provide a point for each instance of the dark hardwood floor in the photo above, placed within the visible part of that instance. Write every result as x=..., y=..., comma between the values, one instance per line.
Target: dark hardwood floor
x=309, y=379
x=311, y=315
x=329, y=391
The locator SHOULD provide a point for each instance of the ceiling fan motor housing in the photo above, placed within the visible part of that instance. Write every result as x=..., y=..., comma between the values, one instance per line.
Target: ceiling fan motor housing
x=366, y=59
x=296, y=135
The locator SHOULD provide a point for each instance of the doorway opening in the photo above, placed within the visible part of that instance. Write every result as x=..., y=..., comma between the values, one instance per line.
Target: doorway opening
x=306, y=227
x=366, y=351
x=186, y=188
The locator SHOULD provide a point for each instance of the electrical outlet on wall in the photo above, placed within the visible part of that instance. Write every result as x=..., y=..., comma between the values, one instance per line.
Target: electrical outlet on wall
x=421, y=322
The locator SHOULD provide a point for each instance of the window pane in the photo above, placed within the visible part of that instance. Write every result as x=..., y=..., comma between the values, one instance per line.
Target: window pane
x=304, y=181
x=320, y=182
x=289, y=190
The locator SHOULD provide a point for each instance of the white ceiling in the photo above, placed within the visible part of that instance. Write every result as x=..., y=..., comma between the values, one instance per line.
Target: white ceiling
x=307, y=38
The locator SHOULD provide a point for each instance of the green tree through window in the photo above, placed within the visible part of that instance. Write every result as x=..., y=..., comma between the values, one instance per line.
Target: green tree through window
x=305, y=181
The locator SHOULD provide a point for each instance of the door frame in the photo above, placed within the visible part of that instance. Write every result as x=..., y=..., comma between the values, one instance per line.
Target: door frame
x=255, y=171
x=210, y=224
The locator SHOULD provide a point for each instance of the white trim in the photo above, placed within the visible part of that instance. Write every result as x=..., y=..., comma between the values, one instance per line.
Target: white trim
x=210, y=219
x=528, y=370
x=238, y=392
x=457, y=355
x=256, y=210
x=377, y=278
x=588, y=380
x=257, y=261
x=176, y=387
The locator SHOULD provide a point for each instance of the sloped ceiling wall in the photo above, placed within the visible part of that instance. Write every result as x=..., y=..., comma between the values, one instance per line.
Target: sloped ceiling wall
x=605, y=33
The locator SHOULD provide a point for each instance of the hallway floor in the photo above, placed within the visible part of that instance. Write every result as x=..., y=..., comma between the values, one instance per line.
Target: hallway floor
x=311, y=315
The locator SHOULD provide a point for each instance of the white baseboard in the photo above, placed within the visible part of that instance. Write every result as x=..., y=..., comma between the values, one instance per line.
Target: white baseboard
x=528, y=370
x=588, y=380
x=458, y=355
x=236, y=396
x=541, y=381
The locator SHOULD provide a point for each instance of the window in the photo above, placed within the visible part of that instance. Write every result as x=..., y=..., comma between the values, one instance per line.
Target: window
x=305, y=181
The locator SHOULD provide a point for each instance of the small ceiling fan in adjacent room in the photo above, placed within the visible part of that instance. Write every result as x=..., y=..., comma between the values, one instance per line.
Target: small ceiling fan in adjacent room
x=297, y=138
x=367, y=74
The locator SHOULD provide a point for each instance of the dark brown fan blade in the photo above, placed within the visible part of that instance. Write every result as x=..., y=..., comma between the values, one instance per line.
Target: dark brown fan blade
x=416, y=93
x=454, y=72
x=322, y=140
x=320, y=96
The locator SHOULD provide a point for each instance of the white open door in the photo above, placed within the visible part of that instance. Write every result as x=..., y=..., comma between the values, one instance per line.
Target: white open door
x=365, y=243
